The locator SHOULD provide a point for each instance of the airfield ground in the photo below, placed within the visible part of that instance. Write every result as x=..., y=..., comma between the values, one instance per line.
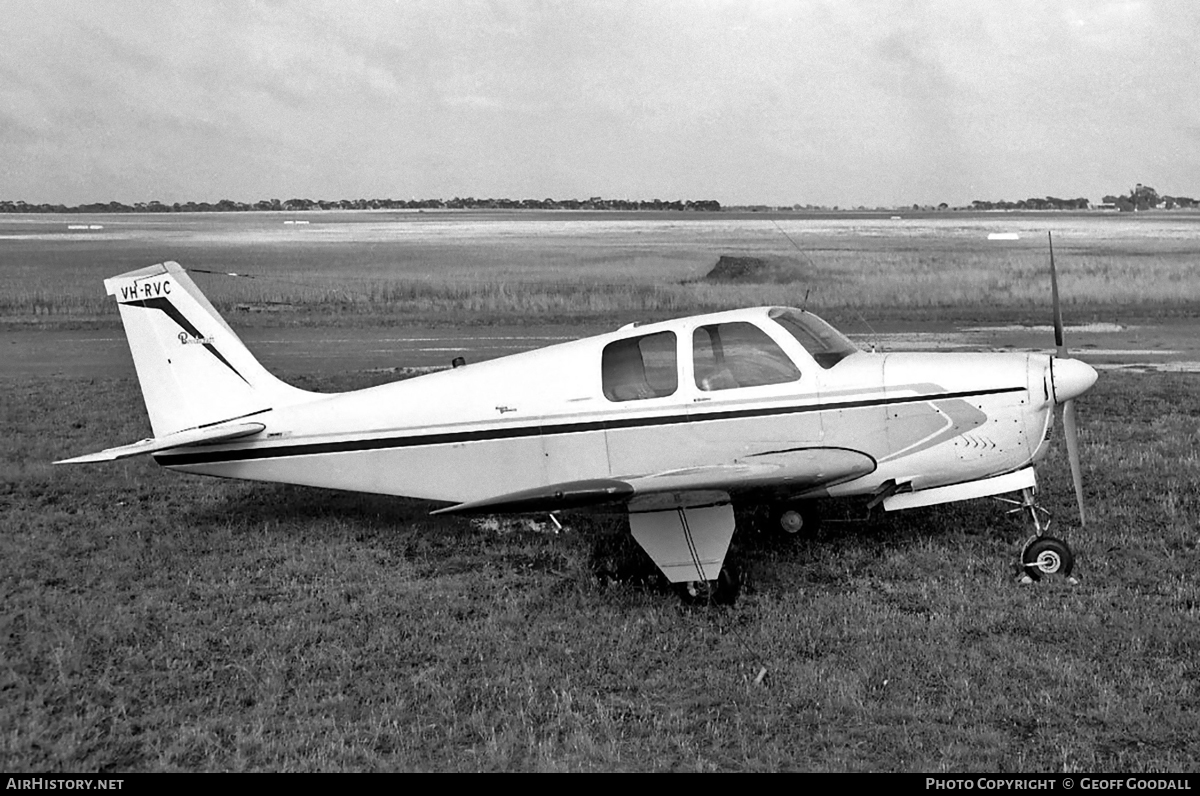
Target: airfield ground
x=153, y=621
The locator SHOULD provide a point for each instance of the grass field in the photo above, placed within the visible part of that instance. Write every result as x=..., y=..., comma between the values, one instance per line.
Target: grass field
x=349, y=268
x=154, y=621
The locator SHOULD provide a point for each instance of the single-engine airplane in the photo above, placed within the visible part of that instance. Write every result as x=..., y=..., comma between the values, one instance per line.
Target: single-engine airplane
x=673, y=422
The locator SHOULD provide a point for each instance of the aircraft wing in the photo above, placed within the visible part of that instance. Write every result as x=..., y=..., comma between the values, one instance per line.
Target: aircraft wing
x=180, y=439
x=797, y=470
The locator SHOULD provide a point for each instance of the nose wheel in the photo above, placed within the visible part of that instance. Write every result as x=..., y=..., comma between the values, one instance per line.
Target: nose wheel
x=1045, y=555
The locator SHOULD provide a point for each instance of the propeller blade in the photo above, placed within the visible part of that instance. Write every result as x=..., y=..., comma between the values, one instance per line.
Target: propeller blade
x=1058, y=322
x=1071, y=378
x=1071, y=434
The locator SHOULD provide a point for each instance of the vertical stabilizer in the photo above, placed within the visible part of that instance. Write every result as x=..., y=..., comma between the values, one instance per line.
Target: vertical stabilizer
x=193, y=369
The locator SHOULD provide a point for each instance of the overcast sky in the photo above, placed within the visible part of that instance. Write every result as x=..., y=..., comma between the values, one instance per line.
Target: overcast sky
x=841, y=102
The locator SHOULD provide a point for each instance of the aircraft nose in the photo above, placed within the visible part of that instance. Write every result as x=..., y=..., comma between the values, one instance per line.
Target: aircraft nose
x=1071, y=378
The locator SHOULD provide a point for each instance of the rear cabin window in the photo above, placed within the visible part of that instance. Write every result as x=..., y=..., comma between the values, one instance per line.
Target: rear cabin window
x=640, y=367
x=731, y=355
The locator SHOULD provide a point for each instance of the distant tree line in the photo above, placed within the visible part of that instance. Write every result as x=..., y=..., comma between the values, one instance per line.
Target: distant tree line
x=1035, y=203
x=230, y=206
x=1140, y=197
x=1143, y=197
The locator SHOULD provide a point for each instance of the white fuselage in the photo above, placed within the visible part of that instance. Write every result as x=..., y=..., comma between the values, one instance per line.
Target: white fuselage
x=544, y=417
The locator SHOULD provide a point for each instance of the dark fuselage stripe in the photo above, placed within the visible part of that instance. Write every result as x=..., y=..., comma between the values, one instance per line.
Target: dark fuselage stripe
x=516, y=432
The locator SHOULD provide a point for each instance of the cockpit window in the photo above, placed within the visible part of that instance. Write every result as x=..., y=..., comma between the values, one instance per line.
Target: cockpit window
x=640, y=367
x=729, y=355
x=827, y=345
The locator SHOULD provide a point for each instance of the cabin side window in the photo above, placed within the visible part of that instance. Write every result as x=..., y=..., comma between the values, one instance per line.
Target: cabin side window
x=640, y=367
x=731, y=355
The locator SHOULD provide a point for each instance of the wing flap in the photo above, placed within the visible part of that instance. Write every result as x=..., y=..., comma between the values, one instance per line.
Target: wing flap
x=180, y=439
x=686, y=543
x=796, y=470
x=571, y=495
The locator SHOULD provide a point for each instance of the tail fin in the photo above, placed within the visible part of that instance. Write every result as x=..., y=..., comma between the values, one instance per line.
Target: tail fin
x=193, y=369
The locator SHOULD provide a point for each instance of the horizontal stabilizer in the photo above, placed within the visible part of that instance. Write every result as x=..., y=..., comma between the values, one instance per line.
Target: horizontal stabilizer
x=180, y=439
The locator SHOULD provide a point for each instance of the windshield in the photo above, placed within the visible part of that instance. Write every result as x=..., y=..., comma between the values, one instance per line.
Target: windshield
x=827, y=345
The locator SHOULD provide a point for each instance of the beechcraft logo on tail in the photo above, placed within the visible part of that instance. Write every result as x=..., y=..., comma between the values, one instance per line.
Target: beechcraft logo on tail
x=146, y=290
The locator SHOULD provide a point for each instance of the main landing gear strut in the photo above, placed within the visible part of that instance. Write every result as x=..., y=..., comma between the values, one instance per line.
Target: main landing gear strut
x=1042, y=555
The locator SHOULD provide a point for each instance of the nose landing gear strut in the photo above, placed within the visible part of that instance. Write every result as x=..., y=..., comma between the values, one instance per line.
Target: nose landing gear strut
x=1042, y=555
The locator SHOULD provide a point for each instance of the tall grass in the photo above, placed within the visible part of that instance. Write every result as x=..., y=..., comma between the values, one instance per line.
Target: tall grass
x=842, y=280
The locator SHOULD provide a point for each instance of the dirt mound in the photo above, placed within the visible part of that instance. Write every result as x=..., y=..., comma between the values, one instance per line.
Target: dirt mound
x=735, y=269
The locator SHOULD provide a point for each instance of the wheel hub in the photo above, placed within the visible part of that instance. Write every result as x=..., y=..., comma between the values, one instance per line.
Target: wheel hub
x=791, y=521
x=1048, y=562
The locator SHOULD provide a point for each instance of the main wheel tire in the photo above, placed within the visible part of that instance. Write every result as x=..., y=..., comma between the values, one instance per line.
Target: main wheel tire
x=1045, y=555
x=790, y=520
x=722, y=591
